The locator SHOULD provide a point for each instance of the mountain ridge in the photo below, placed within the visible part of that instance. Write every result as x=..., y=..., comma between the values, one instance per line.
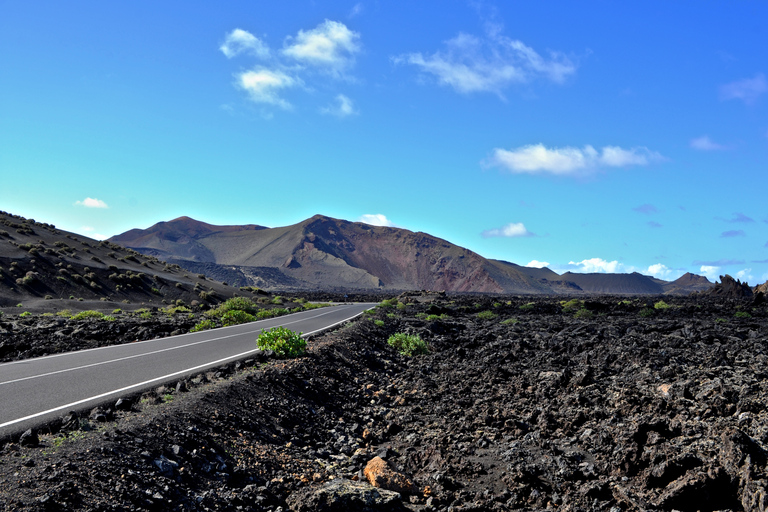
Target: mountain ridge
x=323, y=252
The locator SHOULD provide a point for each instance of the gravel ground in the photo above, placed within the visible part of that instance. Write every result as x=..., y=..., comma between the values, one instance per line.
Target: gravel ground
x=523, y=404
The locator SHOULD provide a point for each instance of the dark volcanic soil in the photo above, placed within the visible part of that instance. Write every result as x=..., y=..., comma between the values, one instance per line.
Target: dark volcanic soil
x=612, y=406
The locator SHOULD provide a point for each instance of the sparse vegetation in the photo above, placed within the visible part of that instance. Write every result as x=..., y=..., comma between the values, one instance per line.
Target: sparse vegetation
x=408, y=344
x=487, y=315
x=283, y=342
x=203, y=325
x=661, y=305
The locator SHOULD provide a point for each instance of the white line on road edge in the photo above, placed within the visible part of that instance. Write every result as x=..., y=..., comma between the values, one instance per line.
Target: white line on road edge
x=143, y=354
x=146, y=382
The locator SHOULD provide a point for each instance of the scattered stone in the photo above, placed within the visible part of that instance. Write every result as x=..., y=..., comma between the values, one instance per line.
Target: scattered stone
x=342, y=495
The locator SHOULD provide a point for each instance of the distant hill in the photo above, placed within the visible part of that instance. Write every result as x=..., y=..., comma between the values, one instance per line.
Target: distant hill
x=39, y=262
x=326, y=253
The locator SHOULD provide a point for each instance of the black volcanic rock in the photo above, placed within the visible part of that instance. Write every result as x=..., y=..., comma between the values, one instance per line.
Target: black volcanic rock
x=730, y=287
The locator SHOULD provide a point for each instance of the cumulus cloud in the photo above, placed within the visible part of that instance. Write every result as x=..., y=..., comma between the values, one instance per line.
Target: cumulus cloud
x=330, y=45
x=593, y=265
x=90, y=202
x=240, y=41
x=732, y=233
x=746, y=90
x=511, y=230
x=745, y=275
x=537, y=159
x=704, y=143
x=646, y=209
x=710, y=272
x=471, y=64
x=343, y=107
x=263, y=85
x=376, y=219
x=659, y=271
x=537, y=264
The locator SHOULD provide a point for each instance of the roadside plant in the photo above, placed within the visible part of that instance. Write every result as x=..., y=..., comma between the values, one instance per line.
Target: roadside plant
x=408, y=344
x=203, y=325
x=283, y=342
x=486, y=315
x=235, y=317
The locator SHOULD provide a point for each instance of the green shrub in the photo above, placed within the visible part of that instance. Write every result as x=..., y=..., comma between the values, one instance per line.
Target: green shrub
x=203, y=325
x=389, y=303
x=527, y=307
x=742, y=314
x=646, y=312
x=401, y=306
x=88, y=314
x=391, y=315
x=572, y=305
x=661, y=305
x=117, y=311
x=408, y=344
x=379, y=323
x=486, y=315
x=283, y=342
x=277, y=300
x=25, y=314
x=510, y=321
x=583, y=313
x=433, y=318
x=235, y=317
x=236, y=303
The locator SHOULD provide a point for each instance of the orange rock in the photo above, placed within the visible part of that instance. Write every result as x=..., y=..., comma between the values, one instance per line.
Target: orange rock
x=380, y=475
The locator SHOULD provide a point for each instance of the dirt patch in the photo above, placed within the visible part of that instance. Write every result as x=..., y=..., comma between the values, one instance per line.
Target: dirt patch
x=523, y=404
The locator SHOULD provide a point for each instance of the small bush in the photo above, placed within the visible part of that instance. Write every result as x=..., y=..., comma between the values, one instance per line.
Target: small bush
x=408, y=344
x=572, y=305
x=661, y=305
x=25, y=314
x=433, y=318
x=378, y=323
x=486, y=315
x=401, y=306
x=203, y=325
x=646, y=312
x=88, y=314
x=510, y=321
x=583, y=313
x=742, y=314
x=283, y=342
x=236, y=317
x=527, y=307
x=389, y=303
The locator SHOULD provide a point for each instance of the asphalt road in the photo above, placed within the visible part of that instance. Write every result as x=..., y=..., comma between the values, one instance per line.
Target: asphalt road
x=36, y=391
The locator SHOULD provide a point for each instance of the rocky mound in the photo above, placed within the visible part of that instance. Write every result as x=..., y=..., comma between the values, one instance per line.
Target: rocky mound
x=730, y=287
x=611, y=404
x=45, y=268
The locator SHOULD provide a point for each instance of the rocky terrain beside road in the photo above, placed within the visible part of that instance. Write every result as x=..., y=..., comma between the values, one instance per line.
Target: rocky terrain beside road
x=523, y=404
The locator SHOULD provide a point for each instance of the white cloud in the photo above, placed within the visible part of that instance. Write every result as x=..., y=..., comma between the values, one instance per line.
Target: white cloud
x=357, y=9
x=470, y=64
x=747, y=90
x=536, y=158
x=376, y=219
x=593, y=265
x=263, y=85
x=342, y=108
x=711, y=272
x=537, y=264
x=90, y=202
x=745, y=275
x=240, y=41
x=511, y=230
x=330, y=45
x=659, y=270
x=87, y=228
x=704, y=143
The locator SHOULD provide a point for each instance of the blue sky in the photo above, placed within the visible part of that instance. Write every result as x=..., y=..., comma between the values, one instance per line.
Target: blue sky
x=587, y=136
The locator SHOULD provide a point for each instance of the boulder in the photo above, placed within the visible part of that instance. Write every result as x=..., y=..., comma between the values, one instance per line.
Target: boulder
x=343, y=495
x=380, y=474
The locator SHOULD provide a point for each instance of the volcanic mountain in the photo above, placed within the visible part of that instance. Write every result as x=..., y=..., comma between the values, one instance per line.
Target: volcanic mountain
x=326, y=253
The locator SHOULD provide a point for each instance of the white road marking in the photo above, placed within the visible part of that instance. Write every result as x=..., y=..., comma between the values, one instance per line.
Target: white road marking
x=156, y=379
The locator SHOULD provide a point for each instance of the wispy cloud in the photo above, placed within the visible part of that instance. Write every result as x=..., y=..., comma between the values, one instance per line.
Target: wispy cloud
x=470, y=64
x=330, y=46
x=240, y=41
x=745, y=275
x=747, y=90
x=740, y=217
x=511, y=230
x=537, y=264
x=704, y=143
x=654, y=224
x=647, y=209
x=356, y=10
x=537, y=159
x=343, y=107
x=376, y=219
x=719, y=263
x=732, y=233
x=264, y=85
x=90, y=202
